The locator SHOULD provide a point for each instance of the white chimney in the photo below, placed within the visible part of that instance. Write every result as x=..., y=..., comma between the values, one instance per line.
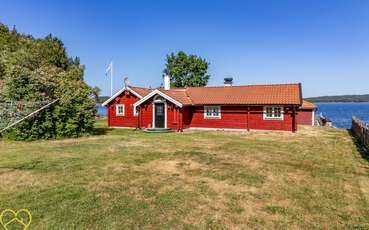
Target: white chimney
x=166, y=82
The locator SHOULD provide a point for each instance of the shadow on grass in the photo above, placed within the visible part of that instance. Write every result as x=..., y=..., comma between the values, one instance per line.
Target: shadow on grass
x=361, y=148
x=100, y=131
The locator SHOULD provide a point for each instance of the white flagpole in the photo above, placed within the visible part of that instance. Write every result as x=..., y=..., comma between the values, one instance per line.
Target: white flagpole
x=111, y=78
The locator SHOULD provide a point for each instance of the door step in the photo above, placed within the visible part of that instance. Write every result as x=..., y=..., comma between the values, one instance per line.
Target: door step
x=158, y=130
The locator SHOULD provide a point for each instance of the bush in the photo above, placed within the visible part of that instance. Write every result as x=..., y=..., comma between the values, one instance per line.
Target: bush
x=33, y=70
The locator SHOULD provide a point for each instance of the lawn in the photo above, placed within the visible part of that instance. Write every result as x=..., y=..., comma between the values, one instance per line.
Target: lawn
x=118, y=179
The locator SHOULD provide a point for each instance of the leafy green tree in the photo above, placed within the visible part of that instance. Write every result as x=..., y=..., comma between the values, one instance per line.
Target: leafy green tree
x=34, y=70
x=186, y=70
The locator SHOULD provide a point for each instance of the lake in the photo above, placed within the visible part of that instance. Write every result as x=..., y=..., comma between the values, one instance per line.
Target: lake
x=339, y=113
x=101, y=110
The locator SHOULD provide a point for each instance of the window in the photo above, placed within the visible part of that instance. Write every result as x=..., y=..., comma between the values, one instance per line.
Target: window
x=211, y=111
x=136, y=111
x=273, y=113
x=119, y=110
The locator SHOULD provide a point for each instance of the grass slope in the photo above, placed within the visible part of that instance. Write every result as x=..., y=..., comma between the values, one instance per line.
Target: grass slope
x=313, y=179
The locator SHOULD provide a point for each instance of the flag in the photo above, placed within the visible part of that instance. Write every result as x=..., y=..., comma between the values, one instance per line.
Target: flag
x=109, y=69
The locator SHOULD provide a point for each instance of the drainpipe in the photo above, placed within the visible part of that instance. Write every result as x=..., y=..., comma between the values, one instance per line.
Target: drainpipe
x=181, y=119
x=138, y=117
x=294, y=119
x=248, y=118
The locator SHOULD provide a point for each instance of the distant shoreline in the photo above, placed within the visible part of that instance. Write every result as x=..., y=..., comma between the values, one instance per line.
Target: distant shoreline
x=342, y=98
x=357, y=102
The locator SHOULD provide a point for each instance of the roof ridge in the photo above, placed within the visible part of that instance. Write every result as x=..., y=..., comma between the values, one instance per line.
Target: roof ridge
x=233, y=86
x=132, y=86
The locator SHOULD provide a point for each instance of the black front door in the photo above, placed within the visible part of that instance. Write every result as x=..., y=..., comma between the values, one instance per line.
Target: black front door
x=159, y=115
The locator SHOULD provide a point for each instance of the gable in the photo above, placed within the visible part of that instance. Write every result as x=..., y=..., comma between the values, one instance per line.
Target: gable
x=158, y=92
x=137, y=91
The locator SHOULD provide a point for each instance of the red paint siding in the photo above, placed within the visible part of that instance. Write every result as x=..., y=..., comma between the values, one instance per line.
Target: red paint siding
x=305, y=117
x=232, y=117
x=146, y=114
x=128, y=120
x=236, y=117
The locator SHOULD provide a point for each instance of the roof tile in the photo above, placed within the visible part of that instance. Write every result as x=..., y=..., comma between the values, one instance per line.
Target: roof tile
x=237, y=95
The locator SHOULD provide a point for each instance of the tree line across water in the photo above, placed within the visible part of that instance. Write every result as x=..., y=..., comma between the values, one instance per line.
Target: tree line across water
x=342, y=98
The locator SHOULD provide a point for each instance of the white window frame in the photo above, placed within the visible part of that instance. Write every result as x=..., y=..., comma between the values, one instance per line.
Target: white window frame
x=273, y=117
x=117, y=110
x=135, y=113
x=207, y=107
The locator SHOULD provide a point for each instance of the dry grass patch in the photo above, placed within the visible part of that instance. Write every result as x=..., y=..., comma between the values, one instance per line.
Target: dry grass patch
x=125, y=179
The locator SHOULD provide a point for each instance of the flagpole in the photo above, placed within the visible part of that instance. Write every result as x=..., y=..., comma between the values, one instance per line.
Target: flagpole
x=111, y=78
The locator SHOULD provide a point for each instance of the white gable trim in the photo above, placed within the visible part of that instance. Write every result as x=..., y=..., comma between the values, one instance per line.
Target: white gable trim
x=155, y=92
x=119, y=92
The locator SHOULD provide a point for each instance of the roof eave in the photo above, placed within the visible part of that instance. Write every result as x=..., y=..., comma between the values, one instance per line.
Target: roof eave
x=156, y=91
x=119, y=92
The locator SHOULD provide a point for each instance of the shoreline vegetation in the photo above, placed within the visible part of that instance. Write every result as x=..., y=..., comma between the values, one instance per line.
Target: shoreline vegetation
x=341, y=98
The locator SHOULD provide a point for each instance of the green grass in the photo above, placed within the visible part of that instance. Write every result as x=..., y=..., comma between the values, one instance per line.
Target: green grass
x=124, y=179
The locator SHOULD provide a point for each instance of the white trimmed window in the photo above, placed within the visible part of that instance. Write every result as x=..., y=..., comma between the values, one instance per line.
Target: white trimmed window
x=212, y=112
x=273, y=113
x=119, y=110
x=136, y=111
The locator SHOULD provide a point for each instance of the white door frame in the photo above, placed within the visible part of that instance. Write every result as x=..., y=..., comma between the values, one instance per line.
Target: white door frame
x=165, y=113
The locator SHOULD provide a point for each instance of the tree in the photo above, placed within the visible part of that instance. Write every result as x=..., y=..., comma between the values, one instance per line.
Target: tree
x=186, y=70
x=34, y=70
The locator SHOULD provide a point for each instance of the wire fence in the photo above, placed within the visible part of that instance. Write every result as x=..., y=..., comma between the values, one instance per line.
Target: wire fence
x=12, y=111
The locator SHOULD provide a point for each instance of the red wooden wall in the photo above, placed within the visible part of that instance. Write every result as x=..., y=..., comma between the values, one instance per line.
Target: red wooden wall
x=232, y=117
x=235, y=117
x=305, y=117
x=128, y=120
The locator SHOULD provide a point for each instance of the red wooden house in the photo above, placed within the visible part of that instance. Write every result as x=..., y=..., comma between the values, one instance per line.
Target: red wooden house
x=263, y=107
x=306, y=113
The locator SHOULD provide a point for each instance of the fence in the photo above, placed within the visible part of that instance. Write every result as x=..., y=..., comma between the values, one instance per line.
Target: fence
x=360, y=131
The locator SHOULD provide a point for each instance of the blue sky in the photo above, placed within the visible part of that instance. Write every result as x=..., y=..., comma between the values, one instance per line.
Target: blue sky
x=322, y=44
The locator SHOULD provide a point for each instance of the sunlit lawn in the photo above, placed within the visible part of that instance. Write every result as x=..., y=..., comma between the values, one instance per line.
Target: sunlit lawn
x=314, y=179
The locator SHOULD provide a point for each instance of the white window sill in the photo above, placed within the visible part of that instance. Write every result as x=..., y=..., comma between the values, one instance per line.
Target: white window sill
x=271, y=118
x=212, y=118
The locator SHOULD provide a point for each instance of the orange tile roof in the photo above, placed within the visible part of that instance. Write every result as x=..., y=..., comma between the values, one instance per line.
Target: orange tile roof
x=178, y=94
x=141, y=90
x=274, y=94
x=308, y=105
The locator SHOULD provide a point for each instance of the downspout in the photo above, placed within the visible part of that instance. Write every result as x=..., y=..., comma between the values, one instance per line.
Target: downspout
x=138, y=117
x=248, y=118
x=181, y=120
x=178, y=119
x=294, y=119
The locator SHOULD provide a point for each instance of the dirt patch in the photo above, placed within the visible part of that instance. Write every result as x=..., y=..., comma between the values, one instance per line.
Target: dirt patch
x=173, y=166
x=17, y=179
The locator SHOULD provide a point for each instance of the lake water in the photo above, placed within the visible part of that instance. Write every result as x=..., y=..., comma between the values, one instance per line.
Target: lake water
x=339, y=113
x=101, y=110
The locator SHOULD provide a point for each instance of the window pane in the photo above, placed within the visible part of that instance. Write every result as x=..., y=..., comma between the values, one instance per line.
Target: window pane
x=215, y=112
x=277, y=112
x=208, y=111
x=269, y=112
